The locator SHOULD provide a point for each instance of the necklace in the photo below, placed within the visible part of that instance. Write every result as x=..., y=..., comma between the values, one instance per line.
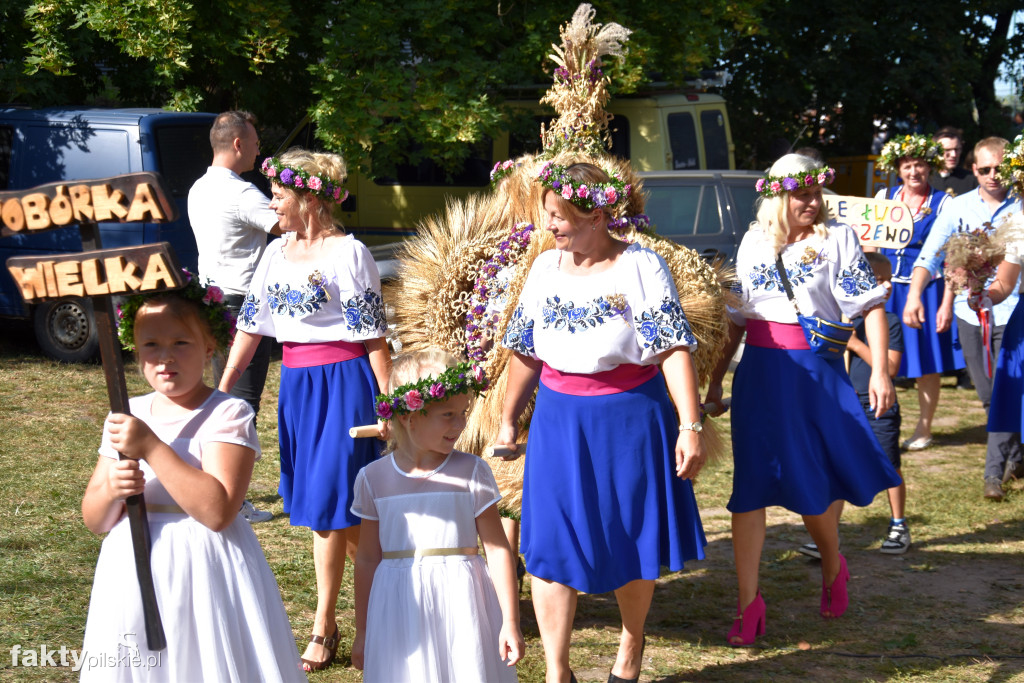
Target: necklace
x=920, y=204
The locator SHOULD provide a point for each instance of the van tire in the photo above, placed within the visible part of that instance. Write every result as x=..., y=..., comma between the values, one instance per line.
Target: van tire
x=66, y=330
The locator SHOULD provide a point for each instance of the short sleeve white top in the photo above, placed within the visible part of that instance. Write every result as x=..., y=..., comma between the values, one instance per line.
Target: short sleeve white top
x=628, y=314
x=221, y=418
x=335, y=299
x=230, y=218
x=829, y=275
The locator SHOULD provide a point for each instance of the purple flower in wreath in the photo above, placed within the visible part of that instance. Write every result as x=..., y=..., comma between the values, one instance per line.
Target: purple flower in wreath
x=436, y=390
x=287, y=175
x=790, y=184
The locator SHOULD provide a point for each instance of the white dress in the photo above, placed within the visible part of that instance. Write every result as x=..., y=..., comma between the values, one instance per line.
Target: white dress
x=219, y=602
x=434, y=617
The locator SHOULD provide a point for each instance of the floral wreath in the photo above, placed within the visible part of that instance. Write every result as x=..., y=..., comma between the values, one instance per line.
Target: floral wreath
x=1011, y=170
x=413, y=397
x=298, y=179
x=913, y=146
x=487, y=287
x=773, y=186
x=212, y=308
x=501, y=170
x=587, y=197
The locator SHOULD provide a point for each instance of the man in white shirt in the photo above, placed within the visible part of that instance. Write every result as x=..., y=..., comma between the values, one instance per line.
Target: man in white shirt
x=231, y=218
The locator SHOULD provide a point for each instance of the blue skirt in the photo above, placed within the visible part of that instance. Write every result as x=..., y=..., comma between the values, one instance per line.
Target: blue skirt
x=800, y=439
x=925, y=351
x=319, y=460
x=601, y=503
x=1006, y=410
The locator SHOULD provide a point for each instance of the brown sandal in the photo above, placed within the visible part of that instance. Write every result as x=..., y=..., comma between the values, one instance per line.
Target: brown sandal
x=330, y=644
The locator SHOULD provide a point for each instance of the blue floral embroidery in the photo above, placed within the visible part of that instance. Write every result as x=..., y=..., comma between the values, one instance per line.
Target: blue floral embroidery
x=519, y=335
x=365, y=312
x=858, y=278
x=295, y=302
x=247, y=313
x=766, y=276
x=572, y=317
x=665, y=326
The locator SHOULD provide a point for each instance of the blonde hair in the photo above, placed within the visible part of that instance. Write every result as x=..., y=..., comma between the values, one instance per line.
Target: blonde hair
x=773, y=212
x=994, y=144
x=325, y=165
x=188, y=312
x=410, y=367
x=581, y=173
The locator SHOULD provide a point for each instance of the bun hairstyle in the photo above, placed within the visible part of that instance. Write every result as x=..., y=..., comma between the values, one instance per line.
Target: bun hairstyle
x=321, y=164
x=773, y=212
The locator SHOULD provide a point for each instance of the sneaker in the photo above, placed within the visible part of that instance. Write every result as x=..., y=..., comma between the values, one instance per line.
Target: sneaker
x=253, y=516
x=993, y=489
x=810, y=550
x=897, y=541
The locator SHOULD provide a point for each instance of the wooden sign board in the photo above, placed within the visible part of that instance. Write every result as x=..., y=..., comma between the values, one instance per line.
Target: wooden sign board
x=128, y=270
x=121, y=199
x=878, y=222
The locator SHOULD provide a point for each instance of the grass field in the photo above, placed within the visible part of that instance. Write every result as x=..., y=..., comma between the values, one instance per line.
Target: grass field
x=952, y=609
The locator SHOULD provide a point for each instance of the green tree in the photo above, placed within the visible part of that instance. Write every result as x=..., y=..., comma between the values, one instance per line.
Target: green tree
x=820, y=75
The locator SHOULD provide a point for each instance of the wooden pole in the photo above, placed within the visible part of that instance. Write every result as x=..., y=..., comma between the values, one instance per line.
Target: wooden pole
x=117, y=391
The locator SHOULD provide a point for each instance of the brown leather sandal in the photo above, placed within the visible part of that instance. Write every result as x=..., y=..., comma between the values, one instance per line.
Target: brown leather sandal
x=330, y=644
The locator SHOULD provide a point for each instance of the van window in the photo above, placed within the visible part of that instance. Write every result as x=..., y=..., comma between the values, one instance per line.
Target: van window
x=73, y=152
x=6, y=138
x=743, y=197
x=683, y=210
x=619, y=130
x=474, y=172
x=682, y=138
x=183, y=154
x=716, y=147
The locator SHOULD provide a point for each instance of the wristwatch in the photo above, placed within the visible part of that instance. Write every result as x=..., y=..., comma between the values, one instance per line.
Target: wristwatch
x=692, y=426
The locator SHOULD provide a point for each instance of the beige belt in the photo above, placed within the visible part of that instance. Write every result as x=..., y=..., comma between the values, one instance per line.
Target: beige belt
x=426, y=552
x=166, y=509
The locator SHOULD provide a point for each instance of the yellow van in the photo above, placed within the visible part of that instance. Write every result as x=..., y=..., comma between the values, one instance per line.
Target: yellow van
x=660, y=132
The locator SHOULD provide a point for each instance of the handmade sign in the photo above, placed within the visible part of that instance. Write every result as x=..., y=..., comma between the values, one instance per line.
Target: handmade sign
x=877, y=222
x=99, y=274
x=124, y=198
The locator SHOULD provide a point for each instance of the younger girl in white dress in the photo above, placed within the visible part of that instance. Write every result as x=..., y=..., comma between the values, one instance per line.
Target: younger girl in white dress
x=427, y=606
x=190, y=449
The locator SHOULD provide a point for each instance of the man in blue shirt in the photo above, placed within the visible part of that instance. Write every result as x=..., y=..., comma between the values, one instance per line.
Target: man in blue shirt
x=989, y=203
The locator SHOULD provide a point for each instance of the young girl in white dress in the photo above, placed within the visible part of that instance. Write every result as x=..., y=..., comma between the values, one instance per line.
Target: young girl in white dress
x=428, y=608
x=190, y=449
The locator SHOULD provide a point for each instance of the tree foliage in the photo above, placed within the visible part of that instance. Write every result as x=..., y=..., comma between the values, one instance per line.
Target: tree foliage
x=820, y=77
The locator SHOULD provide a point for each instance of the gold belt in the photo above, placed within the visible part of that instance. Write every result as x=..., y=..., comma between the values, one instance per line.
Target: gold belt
x=166, y=509
x=426, y=552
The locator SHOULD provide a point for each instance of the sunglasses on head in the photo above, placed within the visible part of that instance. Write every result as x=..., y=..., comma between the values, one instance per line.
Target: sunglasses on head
x=985, y=170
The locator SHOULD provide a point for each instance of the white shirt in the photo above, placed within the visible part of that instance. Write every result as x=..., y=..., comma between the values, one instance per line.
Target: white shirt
x=230, y=218
x=335, y=299
x=829, y=276
x=628, y=314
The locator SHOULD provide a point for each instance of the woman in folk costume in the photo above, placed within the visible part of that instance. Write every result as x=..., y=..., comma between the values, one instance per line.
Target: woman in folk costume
x=461, y=282
x=808, y=445
x=929, y=351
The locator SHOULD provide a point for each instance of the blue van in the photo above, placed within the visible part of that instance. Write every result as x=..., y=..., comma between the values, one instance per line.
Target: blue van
x=49, y=145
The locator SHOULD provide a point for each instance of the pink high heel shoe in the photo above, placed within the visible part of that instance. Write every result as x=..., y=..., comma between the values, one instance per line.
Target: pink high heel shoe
x=749, y=623
x=835, y=599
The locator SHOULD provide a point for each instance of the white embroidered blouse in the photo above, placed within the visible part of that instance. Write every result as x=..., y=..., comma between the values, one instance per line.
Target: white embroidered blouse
x=829, y=277
x=586, y=324
x=336, y=299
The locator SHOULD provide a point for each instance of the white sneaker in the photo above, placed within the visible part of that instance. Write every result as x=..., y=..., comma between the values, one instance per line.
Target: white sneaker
x=810, y=550
x=253, y=516
x=897, y=540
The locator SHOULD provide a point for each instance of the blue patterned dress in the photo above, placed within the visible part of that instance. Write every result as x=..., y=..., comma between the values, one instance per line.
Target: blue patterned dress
x=800, y=438
x=337, y=299
x=601, y=503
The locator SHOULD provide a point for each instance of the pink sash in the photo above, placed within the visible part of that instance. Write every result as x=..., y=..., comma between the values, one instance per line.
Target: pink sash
x=771, y=335
x=296, y=355
x=615, y=381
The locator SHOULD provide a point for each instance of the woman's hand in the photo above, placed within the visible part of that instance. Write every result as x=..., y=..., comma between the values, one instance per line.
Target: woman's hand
x=714, y=404
x=880, y=391
x=690, y=454
x=507, y=433
x=383, y=430
x=125, y=479
x=130, y=436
